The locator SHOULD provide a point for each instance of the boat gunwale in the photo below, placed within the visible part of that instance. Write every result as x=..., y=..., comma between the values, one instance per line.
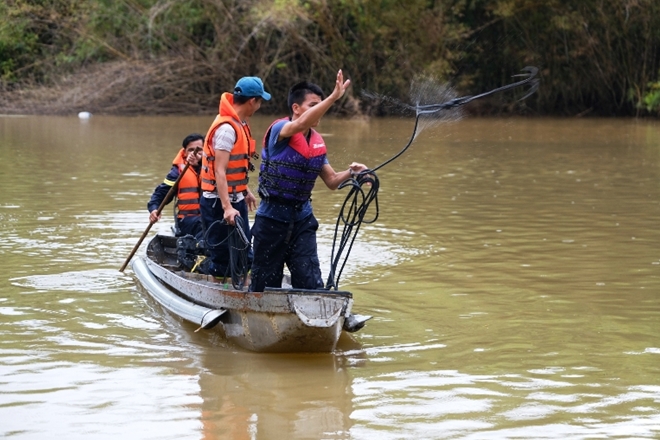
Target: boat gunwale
x=212, y=295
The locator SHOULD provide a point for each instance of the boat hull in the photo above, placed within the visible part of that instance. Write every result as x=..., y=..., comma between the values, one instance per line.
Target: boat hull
x=277, y=320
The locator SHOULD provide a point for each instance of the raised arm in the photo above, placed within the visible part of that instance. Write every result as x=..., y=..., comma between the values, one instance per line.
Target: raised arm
x=312, y=115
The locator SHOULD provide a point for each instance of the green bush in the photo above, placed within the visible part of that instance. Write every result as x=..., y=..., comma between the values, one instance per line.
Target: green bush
x=651, y=100
x=595, y=56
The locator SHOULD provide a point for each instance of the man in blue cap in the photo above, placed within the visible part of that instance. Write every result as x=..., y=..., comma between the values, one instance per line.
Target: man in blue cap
x=228, y=148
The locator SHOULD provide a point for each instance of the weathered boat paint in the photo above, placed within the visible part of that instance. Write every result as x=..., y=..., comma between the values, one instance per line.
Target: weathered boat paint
x=276, y=320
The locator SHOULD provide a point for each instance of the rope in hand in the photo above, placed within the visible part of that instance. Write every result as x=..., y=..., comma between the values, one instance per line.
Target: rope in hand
x=239, y=248
x=352, y=215
x=357, y=201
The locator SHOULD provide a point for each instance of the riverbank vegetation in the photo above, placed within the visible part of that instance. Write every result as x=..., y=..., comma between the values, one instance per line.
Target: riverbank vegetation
x=596, y=57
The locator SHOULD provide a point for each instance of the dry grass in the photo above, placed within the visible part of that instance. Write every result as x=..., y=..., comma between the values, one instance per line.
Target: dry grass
x=122, y=87
x=160, y=87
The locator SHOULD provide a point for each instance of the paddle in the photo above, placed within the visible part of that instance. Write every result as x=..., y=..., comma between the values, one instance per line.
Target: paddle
x=160, y=208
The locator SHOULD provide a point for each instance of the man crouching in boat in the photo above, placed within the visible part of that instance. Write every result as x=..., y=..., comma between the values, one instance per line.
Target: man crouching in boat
x=188, y=216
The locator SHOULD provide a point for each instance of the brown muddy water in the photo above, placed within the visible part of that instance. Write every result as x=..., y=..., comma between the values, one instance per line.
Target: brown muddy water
x=513, y=276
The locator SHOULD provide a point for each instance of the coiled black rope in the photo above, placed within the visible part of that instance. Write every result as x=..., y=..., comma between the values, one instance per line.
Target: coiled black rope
x=357, y=201
x=351, y=214
x=239, y=249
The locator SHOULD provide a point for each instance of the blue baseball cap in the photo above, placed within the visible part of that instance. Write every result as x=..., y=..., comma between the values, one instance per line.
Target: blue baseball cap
x=252, y=87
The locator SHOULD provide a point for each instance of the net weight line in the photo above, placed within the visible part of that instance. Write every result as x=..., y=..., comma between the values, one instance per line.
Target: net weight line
x=357, y=202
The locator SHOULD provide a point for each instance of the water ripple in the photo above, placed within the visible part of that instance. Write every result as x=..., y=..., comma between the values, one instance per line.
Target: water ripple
x=91, y=281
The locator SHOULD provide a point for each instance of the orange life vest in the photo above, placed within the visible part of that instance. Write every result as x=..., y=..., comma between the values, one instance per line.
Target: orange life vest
x=239, y=158
x=188, y=190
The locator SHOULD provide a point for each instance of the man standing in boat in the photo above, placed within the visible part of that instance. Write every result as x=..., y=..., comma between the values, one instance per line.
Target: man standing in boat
x=228, y=148
x=293, y=156
x=187, y=218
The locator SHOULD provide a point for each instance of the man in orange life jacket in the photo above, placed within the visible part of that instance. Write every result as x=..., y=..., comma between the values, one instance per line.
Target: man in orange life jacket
x=293, y=156
x=188, y=218
x=228, y=148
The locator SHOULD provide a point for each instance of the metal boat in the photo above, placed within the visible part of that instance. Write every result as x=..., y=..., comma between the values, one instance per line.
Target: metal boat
x=278, y=320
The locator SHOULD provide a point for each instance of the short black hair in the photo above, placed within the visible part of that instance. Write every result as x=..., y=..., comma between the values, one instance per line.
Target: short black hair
x=192, y=138
x=242, y=99
x=298, y=92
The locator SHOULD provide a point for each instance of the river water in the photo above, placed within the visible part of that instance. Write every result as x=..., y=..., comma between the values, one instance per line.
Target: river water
x=513, y=275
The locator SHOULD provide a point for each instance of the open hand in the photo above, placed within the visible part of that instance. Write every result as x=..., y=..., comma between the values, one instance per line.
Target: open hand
x=251, y=201
x=340, y=86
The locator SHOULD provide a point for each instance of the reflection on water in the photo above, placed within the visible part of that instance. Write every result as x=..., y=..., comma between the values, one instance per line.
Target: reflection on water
x=270, y=396
x=512, y=274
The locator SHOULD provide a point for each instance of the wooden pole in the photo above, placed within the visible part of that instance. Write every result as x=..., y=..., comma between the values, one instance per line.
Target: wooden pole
x=160, y=208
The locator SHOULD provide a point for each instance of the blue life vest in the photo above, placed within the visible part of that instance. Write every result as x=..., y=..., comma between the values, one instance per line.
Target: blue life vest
x=288, y=177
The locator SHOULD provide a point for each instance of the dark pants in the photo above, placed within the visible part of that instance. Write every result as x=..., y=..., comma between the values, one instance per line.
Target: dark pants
x=279, y=243
x=190, y=225
x=217, y=232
